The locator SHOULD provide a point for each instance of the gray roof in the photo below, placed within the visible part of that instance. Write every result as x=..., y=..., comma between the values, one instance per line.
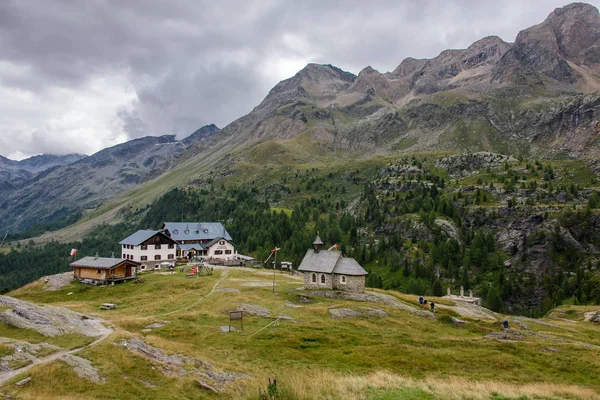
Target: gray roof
x=349, y=266
x=323, y=261
x=318, y=240
x=330, y=262
x=196, y=230
x=188, y=247
x=99, y=263
x=141, y=236
x=215, y=240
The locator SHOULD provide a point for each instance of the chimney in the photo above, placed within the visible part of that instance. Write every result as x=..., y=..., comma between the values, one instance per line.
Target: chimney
x=448, y=290
x=318, y=243
x=96, y=256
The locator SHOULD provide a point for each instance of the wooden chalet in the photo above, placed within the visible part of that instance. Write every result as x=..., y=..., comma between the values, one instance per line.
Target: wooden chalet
x=102, y=270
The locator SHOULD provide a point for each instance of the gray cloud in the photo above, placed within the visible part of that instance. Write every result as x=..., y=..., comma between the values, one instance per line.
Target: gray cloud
x=79, y=76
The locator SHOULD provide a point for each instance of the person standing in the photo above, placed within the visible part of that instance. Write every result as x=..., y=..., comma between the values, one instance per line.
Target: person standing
x=432, y=307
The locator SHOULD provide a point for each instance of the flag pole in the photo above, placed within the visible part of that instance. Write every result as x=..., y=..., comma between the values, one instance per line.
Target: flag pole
x=274, y=264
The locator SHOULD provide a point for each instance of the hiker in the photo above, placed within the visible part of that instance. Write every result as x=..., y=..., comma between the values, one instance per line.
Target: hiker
x=421, y=300
x=505, y=324
x=432, y=306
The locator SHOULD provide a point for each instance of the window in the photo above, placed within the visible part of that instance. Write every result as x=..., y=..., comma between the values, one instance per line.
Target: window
x=222, y=242
x=99, y=271
x=171, y=246
x=144, y=258
x=186, y=231
x=314, y=278
x=157, y=247
x=219, y=252
x=175, y=231
x=343, y=279
x=171, y=256
x=142, y=268
x=227, y=251
x=124, y=246
x=197, y=232
x=322, y=278
x=157, y=257
x=144, y=247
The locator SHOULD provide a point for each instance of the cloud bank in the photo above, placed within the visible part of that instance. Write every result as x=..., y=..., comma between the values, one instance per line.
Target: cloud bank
x=81, y=76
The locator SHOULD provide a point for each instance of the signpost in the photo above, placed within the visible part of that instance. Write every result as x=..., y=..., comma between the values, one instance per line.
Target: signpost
x=236, y=316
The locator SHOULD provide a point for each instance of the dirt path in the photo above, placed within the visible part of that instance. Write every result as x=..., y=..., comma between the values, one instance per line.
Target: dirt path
x=8, y=375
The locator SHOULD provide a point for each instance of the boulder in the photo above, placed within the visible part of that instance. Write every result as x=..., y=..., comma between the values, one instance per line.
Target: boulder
x=250, y=309
x=457, y=322
x=23, y=382
x=339, y=313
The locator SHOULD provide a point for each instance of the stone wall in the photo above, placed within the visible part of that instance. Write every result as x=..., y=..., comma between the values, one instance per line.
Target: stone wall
x=353, y=283
x=333, y=281
x=309, y=284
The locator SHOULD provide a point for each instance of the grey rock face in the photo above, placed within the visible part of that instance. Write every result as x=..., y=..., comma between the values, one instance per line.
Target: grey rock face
x=250, y=309
x=180, y=365
x=339, y=313
x=83, y=368
x=49, y=320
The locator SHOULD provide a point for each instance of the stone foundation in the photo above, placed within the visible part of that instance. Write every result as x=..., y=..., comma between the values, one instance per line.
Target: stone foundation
x=354, y=284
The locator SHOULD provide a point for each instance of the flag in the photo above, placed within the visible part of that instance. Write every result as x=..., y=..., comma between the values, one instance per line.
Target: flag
x=335, y=246
x=73, y=252
x=272, y=252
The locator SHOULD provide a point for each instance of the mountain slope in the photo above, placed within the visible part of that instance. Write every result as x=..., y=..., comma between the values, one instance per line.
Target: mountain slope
x=14, y=174
x=62, y=190
x=536, y=97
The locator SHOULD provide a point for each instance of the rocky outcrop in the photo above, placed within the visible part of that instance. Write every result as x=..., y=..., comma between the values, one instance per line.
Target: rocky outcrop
x=255, y=310
x=569, y=34
x=56, y=282
x=25, y=353
x=180, y=365
x=372, y=297
x=83, y=368
x=461, y=164
x=49, y=320
x=366, y=312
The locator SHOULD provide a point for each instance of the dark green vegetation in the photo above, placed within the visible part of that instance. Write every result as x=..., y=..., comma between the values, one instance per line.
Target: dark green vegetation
x=521, y=233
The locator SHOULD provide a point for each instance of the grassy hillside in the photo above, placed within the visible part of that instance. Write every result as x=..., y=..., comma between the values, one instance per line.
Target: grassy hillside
x=311, y=355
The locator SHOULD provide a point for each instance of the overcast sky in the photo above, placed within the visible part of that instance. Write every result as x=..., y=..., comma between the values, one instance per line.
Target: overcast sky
x=78, y=76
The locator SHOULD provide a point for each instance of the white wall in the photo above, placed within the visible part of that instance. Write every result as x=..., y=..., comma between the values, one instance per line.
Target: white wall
x=150, y=252
x=222, y=246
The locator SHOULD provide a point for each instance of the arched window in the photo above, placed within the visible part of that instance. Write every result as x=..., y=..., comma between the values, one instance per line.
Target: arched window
x=322, y=278
x=343, y=279
x=314, y=278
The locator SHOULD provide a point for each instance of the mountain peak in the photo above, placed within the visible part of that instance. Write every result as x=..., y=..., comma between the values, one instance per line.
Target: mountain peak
x=202, y=133
x=569, y=34
x=317, y=72
x=575, y=11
